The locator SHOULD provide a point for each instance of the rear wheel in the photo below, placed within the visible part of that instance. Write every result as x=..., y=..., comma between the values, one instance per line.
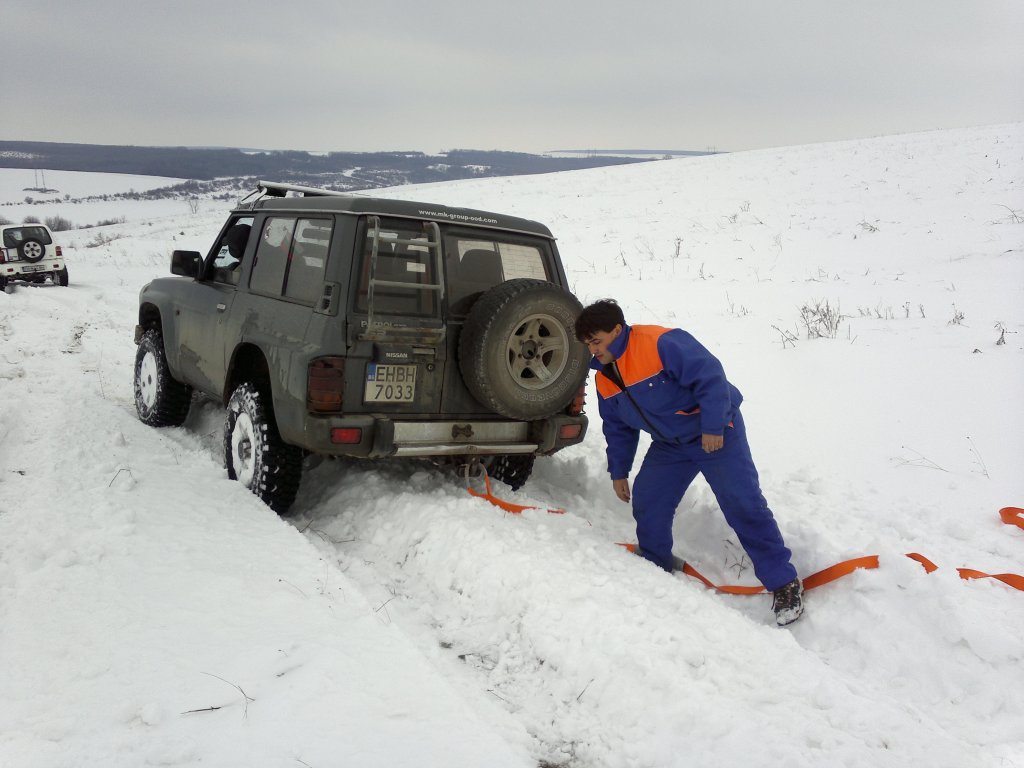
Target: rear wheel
x=513, y=470
x=255, y=454
x=60, y=277
x=160, y=400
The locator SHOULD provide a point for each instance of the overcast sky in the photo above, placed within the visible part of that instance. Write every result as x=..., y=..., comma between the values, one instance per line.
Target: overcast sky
x=526, y=75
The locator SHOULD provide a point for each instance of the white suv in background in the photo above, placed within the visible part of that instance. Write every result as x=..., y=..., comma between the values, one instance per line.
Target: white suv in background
x=27, y=252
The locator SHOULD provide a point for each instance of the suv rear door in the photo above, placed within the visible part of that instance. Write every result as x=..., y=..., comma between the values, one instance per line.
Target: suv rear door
x=396, y=332
x=282, y=282
x=409, y=305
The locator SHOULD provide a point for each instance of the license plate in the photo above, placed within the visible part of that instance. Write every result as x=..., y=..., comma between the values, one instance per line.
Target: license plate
x=390, y=383
x=36, y=268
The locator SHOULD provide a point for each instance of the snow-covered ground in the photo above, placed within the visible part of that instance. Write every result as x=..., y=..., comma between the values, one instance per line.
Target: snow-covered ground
x=18, y=183
x=397, y=621
x=19, y=196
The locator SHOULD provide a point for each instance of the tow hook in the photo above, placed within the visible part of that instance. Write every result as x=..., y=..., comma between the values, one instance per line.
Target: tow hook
x=473, y=470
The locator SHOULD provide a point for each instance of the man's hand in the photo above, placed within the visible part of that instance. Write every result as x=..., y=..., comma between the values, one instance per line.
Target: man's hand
x=621, y=488
x=712, y=443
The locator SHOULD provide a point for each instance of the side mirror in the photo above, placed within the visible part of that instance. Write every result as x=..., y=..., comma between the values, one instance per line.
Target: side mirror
x=186, y=263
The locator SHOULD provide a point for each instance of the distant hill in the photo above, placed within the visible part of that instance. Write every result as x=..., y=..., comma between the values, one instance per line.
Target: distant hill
x=335, y=170
x=638, y=153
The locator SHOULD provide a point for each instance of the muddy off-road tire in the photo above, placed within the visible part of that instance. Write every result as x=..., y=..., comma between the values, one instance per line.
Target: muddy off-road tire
x=254, y=453
x=513, y=469
x=160, y=400
x=518, y=352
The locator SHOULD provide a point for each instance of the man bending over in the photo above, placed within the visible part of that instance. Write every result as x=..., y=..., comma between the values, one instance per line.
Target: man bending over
x=664, y=382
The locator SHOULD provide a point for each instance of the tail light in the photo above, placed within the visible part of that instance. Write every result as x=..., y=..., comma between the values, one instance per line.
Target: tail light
x=60, y=253
x=576, y=406
x=347, y=435
x=326, y=385
x=569, y=431
x=3, y=255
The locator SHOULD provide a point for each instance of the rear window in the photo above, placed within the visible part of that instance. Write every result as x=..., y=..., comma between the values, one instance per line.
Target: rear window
x=15, y=236
x=406, y=271
x=476, y=265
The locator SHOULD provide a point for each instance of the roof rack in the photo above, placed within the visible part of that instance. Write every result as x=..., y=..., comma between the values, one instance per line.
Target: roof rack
x=276, y=189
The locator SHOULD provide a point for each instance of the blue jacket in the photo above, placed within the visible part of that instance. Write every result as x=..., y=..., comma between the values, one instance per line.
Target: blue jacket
x=676, y=390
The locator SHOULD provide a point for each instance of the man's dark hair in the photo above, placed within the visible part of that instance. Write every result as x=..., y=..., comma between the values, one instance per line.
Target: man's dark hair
x=602, y=315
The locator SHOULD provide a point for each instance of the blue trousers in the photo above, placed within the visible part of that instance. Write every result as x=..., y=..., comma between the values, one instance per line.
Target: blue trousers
x=666, y=473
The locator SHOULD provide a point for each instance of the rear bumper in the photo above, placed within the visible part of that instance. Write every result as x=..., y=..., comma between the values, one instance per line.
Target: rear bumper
x=17, y=270
x=380, y=437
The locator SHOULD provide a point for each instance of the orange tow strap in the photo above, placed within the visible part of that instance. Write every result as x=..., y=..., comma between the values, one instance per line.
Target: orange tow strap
x=845, y=568
x=508, y=506
x=1009, y=515
x=1012, y=516
x=831, y=573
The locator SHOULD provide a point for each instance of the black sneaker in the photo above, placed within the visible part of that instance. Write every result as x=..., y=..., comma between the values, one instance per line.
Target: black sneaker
x=788, y=605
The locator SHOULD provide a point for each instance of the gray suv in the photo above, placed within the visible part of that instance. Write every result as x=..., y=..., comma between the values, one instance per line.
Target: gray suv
x=343, y=325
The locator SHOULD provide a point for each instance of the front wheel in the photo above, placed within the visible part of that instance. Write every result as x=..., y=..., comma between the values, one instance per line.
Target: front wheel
x=255, y=454
x=160, y=400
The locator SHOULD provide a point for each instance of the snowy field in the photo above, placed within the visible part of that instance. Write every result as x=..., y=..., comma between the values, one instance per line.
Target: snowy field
x=154, y=613
x=17, y=184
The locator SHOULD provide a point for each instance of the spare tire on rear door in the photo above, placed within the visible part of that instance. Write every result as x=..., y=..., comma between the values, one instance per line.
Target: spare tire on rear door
x=32, y=250
x=518, y=352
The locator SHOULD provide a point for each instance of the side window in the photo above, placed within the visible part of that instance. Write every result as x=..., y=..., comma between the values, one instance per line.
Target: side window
x=291, y=258
x=271, y=262
x=475, y=266
x=305, y=278
x=228, y=258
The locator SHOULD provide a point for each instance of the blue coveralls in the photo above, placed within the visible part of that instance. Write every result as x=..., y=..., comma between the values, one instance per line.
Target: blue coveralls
x=676, y=390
